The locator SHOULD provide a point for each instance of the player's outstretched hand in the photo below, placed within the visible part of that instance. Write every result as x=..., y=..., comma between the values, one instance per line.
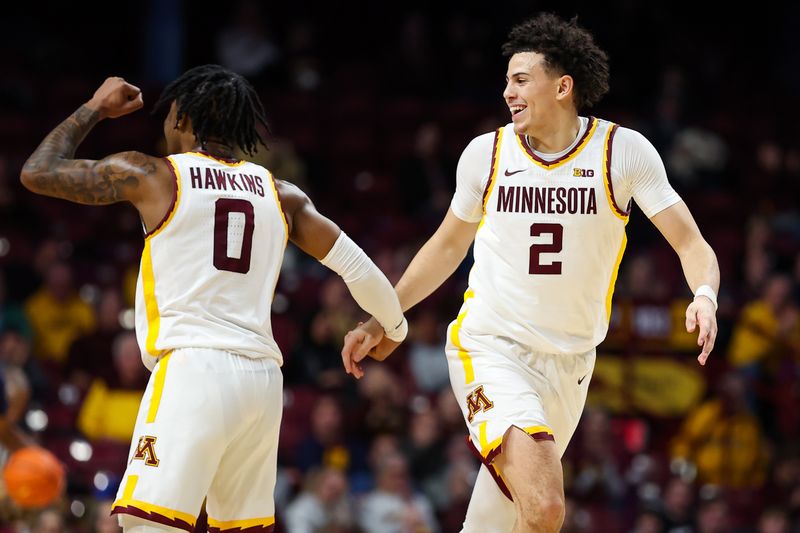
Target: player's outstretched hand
x=115, y=98
x=357, y=344
x=701, y=312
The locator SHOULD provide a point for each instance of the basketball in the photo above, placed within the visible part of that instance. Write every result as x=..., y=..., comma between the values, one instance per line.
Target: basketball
x=33, y=477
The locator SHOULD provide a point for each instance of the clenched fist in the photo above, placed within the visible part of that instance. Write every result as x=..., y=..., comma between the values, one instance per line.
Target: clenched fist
x=115, y=98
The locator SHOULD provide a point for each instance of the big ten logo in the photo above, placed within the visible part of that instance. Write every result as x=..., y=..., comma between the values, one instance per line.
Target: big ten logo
x=477, y=401
x=146, y=451
x=582, y=172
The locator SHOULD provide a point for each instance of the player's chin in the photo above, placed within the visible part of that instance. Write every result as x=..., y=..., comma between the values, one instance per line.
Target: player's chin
x=520, y=127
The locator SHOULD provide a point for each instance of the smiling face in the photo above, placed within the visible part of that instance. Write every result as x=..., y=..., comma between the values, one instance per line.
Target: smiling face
x=534, y=94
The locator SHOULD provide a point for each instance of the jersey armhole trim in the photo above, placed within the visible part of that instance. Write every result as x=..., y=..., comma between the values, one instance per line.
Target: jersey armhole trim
x=487, y=191
x=279, y=204
x=607, y=150
x=173, y=207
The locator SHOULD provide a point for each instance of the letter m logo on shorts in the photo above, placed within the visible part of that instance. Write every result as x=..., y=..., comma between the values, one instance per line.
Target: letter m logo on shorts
x=146, y=450
x=477, y=402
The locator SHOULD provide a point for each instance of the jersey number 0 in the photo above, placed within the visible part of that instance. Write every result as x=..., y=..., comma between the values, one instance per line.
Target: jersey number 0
x=224, y=257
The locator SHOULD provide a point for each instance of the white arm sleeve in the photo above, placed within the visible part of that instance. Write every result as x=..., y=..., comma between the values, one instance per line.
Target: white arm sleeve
x=637, y=171
x=369, y=287
x=472, y=174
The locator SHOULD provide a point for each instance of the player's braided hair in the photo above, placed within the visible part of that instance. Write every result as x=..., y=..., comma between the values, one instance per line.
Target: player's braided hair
x=221, y=104
x=567, y=49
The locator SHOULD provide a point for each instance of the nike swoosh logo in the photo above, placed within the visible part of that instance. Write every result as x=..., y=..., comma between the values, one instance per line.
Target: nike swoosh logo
x=515, y=172
x=581, y=380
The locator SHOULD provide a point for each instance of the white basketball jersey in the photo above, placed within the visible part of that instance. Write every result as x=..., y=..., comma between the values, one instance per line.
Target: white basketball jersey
x=208, y=272
x=548, y=247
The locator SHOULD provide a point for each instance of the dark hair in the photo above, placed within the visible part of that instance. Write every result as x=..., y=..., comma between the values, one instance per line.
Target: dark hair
x=567, y=49
x=221, y=104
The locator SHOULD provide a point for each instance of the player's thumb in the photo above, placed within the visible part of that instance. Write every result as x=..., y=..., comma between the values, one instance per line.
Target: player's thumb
x=362, y=348
x=691, y=322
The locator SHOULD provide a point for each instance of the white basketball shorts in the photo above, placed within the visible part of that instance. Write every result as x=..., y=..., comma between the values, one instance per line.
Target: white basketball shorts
x=499, y=383
x=207, y=427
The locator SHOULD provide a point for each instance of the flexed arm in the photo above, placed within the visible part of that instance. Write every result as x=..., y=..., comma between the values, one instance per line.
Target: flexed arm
x=52, y=171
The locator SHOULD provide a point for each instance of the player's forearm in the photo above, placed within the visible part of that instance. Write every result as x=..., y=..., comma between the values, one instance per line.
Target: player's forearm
x=368, y=285
x=434, y=263
x=700, y=265
x=59, y=146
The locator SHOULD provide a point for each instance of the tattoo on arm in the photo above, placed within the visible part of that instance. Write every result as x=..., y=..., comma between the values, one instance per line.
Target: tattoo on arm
x=51, y=171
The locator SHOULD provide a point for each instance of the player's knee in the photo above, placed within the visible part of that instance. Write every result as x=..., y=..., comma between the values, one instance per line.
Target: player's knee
x=545, y=513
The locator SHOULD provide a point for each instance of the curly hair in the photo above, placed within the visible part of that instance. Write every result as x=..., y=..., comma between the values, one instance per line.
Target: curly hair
x=221, y=104
x=567, y=49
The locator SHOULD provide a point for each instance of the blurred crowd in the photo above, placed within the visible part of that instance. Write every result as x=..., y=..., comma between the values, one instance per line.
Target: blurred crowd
x=369, y=118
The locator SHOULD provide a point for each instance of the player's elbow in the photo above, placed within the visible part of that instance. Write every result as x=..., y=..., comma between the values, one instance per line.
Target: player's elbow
x=30, y=177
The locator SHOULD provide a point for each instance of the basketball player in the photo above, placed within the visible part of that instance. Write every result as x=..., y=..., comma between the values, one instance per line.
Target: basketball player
x=546, y=199
x=216, y=229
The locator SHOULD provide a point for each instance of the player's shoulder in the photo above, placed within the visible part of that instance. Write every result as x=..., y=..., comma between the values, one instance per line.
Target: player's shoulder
x=135, y=160
x=291, y=196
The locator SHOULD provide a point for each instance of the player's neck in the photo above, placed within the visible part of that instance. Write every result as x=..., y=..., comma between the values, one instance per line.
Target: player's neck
x=555, y=136
x=217, y=149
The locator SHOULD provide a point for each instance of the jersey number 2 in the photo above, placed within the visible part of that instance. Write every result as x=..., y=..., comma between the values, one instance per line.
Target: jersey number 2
x=223, y=232
x=557, y=231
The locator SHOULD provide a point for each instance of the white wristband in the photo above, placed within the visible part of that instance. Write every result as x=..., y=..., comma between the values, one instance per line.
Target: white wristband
x=399, y=333
x=708, y=292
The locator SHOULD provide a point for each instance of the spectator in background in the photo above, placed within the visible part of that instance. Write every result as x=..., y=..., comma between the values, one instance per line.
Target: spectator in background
x=773, y=520
x=425, y=349
x=335, y=301
x=426, y=174
x=394, y=507
x=758, y=260
x=785, y=478
x=450, y=416
x=15, y=355
x=316, y=360
x=598, y=474
x=765, y=349
x=13, y=401
x=678, y=506
x=303, y=64
x=109, y=410
x=712, y=517
x=767, y=328
x=425, y=448
x=329, y=445
x=649, y=521
x=58, y=315
x=49, y=521
x=461, y=470
x=88, y=355
x=385, y=400
x=244, y=45
x=723, y=439
x=12, y=316
x=324, y=506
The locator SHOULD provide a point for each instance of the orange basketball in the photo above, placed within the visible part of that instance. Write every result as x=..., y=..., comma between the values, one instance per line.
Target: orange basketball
x=33, y=477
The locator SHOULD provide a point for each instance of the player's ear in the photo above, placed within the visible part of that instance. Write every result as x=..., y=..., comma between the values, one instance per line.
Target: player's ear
x=564, y=87
x=184, y=124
